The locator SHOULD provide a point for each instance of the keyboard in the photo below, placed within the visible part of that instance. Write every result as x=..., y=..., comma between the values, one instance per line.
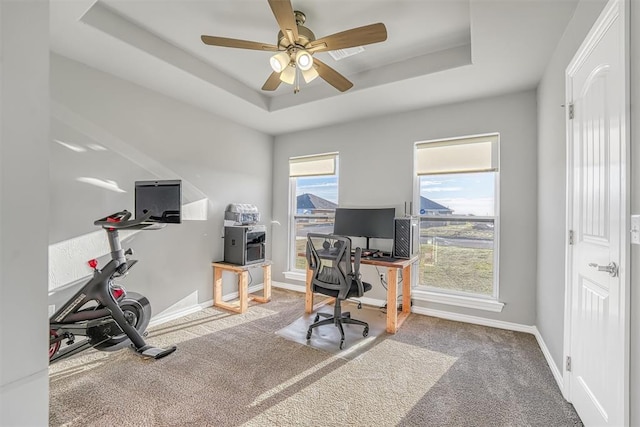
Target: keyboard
x=366, y=252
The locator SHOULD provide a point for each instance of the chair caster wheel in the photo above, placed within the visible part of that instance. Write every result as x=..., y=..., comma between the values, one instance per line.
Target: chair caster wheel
x=341, y=344
x=365, y=332
x=309, y=334
x=317, y=318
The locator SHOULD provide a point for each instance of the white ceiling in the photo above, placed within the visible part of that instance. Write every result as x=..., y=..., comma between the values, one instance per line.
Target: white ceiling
x=437, y=51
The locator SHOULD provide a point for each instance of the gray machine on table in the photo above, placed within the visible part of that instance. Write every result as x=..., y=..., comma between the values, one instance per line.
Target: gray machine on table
x=244, y=239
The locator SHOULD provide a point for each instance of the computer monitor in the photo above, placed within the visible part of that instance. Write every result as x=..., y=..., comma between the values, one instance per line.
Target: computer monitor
x=376, y=223
x=162, y=198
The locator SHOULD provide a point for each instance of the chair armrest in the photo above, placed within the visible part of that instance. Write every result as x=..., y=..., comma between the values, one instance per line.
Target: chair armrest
x=311, y=261
x=356, y=261
x=355, y=274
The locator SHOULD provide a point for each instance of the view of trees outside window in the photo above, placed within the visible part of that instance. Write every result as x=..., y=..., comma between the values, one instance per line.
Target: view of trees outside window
x=315, y=204
x=457, y=222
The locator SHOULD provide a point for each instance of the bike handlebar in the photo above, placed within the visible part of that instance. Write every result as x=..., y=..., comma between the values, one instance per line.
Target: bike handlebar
x=120, y=220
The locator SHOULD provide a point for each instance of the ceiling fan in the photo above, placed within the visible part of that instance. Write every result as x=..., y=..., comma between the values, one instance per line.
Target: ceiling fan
x=297, y=44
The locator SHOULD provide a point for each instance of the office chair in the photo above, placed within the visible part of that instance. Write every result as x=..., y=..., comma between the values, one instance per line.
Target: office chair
x=329, y=258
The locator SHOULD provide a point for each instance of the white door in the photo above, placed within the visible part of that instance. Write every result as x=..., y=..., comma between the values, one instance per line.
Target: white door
x=597, y=216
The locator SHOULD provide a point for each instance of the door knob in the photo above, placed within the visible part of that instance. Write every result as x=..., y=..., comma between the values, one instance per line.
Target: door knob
x=612, y=268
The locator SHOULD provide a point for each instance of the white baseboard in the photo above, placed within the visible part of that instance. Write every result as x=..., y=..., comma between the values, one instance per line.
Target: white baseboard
x=474, y=319
x=552, y=365
x=289, y=286
x=164, y=318
x=234, y=295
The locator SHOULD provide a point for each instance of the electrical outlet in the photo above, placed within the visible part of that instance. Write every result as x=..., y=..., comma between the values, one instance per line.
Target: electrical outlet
x=382, y=277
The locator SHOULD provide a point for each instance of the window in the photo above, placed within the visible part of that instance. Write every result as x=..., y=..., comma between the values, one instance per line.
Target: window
x=458, y=182
x=314, y=198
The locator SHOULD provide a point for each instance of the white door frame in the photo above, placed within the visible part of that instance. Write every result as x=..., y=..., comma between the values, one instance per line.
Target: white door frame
x=612, y=8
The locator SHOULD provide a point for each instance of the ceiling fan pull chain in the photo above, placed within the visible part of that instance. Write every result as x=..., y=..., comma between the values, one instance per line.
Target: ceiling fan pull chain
x=296, y=87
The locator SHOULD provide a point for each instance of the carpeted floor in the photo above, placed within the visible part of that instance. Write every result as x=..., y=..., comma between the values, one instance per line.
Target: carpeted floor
x=232, y=370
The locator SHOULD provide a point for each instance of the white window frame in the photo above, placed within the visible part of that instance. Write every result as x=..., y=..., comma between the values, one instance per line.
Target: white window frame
x=294, y=273
x=455, y=297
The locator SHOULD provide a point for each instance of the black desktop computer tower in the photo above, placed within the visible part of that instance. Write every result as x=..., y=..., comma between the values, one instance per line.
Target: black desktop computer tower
x=406, y=237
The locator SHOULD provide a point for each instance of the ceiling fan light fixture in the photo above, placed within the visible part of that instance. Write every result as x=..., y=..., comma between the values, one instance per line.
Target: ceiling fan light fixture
x=279, y=61
x=304, y=60
x=288, y=75
x=309, y=75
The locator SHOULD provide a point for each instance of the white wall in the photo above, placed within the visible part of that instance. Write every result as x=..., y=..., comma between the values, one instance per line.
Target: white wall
x=552, y=180
x=376, y=169
x=147, y=136
x=24, y=219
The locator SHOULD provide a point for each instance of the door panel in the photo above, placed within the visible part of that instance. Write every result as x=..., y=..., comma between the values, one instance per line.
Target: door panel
x=595, y=81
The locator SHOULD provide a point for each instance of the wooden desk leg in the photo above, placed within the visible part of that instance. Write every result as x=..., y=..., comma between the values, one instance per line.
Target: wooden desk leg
x=406, y=290
x=217, y=285
x=243, y=290
x=308, y=296
x=406, y=297
x=392, y=300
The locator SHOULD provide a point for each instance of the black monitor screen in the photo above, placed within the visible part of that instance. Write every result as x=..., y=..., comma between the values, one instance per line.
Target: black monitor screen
x=162, y=198
x=373, y=223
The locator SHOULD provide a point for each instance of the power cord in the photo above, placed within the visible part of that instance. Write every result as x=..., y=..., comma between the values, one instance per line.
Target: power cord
x=383, y=282
x=384, y=307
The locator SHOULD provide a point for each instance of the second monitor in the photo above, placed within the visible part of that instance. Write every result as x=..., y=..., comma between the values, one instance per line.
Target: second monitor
x=376, y=223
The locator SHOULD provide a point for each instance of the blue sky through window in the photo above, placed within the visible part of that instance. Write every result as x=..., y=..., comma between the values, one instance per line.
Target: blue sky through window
x=465, y=194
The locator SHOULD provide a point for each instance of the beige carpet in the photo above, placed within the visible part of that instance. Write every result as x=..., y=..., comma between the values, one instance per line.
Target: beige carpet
x=234, y=370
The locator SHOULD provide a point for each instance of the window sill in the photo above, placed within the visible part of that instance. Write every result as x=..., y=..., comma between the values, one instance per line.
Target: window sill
x=457, y=300
x=295, y=275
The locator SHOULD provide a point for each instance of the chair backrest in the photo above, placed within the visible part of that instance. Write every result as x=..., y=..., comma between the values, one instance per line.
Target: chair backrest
x=329, y=258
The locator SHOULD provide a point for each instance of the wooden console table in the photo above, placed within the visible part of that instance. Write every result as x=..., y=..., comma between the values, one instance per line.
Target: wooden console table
x=240, y=306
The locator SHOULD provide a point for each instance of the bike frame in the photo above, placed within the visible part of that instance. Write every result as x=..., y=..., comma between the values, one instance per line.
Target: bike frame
x=107, y=318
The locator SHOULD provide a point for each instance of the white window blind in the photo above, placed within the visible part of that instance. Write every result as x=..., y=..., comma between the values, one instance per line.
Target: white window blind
x=477, y=154
x=322, y=164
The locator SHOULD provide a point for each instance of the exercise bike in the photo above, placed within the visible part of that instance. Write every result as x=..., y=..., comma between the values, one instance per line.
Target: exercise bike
x=107, y=316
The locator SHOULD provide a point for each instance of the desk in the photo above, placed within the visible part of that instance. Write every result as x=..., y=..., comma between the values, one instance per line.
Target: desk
x=394, y=319
x=244, y=296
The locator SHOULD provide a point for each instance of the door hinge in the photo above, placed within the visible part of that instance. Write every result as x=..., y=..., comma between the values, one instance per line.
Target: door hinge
x=571, y=112
x=571, y=237
x=568, y=363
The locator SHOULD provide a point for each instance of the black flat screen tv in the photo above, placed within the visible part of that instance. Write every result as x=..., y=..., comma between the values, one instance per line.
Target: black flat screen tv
x=162, y=198
x=372, y=223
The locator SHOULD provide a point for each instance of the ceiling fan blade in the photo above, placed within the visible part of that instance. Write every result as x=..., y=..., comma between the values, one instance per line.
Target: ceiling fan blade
x=283, y=12
x=331, y=76
x=242, y=44
x=272, y=82
x=360, y=36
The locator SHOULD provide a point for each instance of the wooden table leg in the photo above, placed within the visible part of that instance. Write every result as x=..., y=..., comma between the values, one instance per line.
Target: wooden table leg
x=217, y=291
x=243, y=290
x=266, y=282
x=217, y=285
x=308, y=296
x=266, y=285
x=392, y=300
